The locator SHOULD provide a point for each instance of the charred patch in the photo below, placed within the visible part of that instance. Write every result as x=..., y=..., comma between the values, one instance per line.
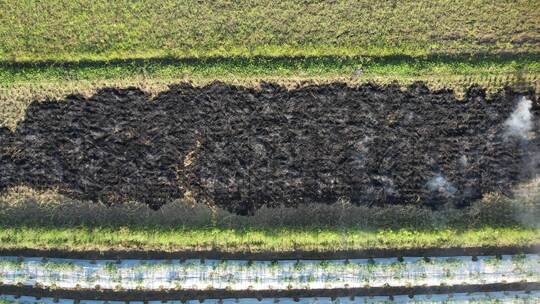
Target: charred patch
x=242, y=148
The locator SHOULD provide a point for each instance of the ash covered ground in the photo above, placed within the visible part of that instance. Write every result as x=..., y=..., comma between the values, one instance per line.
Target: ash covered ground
x=243, y=148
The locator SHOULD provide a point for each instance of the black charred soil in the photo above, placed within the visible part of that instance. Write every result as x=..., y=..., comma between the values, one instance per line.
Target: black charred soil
x=242, y=148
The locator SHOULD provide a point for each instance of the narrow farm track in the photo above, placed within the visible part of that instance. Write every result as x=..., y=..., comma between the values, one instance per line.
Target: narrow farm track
x=522, y=297
x=508, y=293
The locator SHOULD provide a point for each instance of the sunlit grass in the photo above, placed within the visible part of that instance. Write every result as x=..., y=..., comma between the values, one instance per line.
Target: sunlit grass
x=312, y=67
x=256, y=240
x=103, y=30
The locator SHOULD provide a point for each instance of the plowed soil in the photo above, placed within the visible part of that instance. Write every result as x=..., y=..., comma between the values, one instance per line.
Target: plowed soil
x=242, y=148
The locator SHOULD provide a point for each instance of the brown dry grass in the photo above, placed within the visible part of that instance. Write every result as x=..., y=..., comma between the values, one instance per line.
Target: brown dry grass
x=15, y=98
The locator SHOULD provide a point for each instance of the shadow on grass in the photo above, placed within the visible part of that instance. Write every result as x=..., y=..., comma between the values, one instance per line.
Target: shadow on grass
x=24, y=207
x=270, y=62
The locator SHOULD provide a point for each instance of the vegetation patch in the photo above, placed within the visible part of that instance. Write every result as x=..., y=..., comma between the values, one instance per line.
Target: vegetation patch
x=267, y=240
x=78, y=30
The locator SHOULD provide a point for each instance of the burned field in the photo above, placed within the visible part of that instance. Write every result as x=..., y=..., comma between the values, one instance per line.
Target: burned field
x=242, y=148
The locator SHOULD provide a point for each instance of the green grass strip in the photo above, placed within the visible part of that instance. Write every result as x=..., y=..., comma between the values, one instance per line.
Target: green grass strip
x=312, y=67
x=257, y=240
x=102, y=30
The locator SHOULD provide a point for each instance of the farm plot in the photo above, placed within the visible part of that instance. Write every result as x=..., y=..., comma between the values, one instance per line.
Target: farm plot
x=268, y=275
x=243, y=148
x=261, y=152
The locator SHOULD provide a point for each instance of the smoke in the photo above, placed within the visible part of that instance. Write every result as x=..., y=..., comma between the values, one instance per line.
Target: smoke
x=387, y=184
x=441, y=185
x=526, y=196
x=464, y=161
x=520, y=122
x=360, y=153
x=521, y=125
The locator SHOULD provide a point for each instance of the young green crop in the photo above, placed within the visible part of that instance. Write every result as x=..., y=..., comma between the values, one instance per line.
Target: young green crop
x=103, y=30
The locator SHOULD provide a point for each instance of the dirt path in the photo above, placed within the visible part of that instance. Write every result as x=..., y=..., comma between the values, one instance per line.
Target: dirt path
x=184, y=295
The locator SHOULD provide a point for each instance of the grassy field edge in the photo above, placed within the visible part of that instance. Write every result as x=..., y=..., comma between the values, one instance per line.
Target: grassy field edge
x=45, y=220
x=22, y=83
x=259, y=240
x=104, y=30
x=265, y=66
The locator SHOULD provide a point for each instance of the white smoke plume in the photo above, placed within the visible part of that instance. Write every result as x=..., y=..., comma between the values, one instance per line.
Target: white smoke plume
x=361, y=151
x=526, y=198
x=520, y=122
x=440, y=184
x=464, y=161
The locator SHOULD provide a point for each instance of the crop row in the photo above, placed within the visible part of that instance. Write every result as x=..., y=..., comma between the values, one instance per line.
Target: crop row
x=261, y=275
